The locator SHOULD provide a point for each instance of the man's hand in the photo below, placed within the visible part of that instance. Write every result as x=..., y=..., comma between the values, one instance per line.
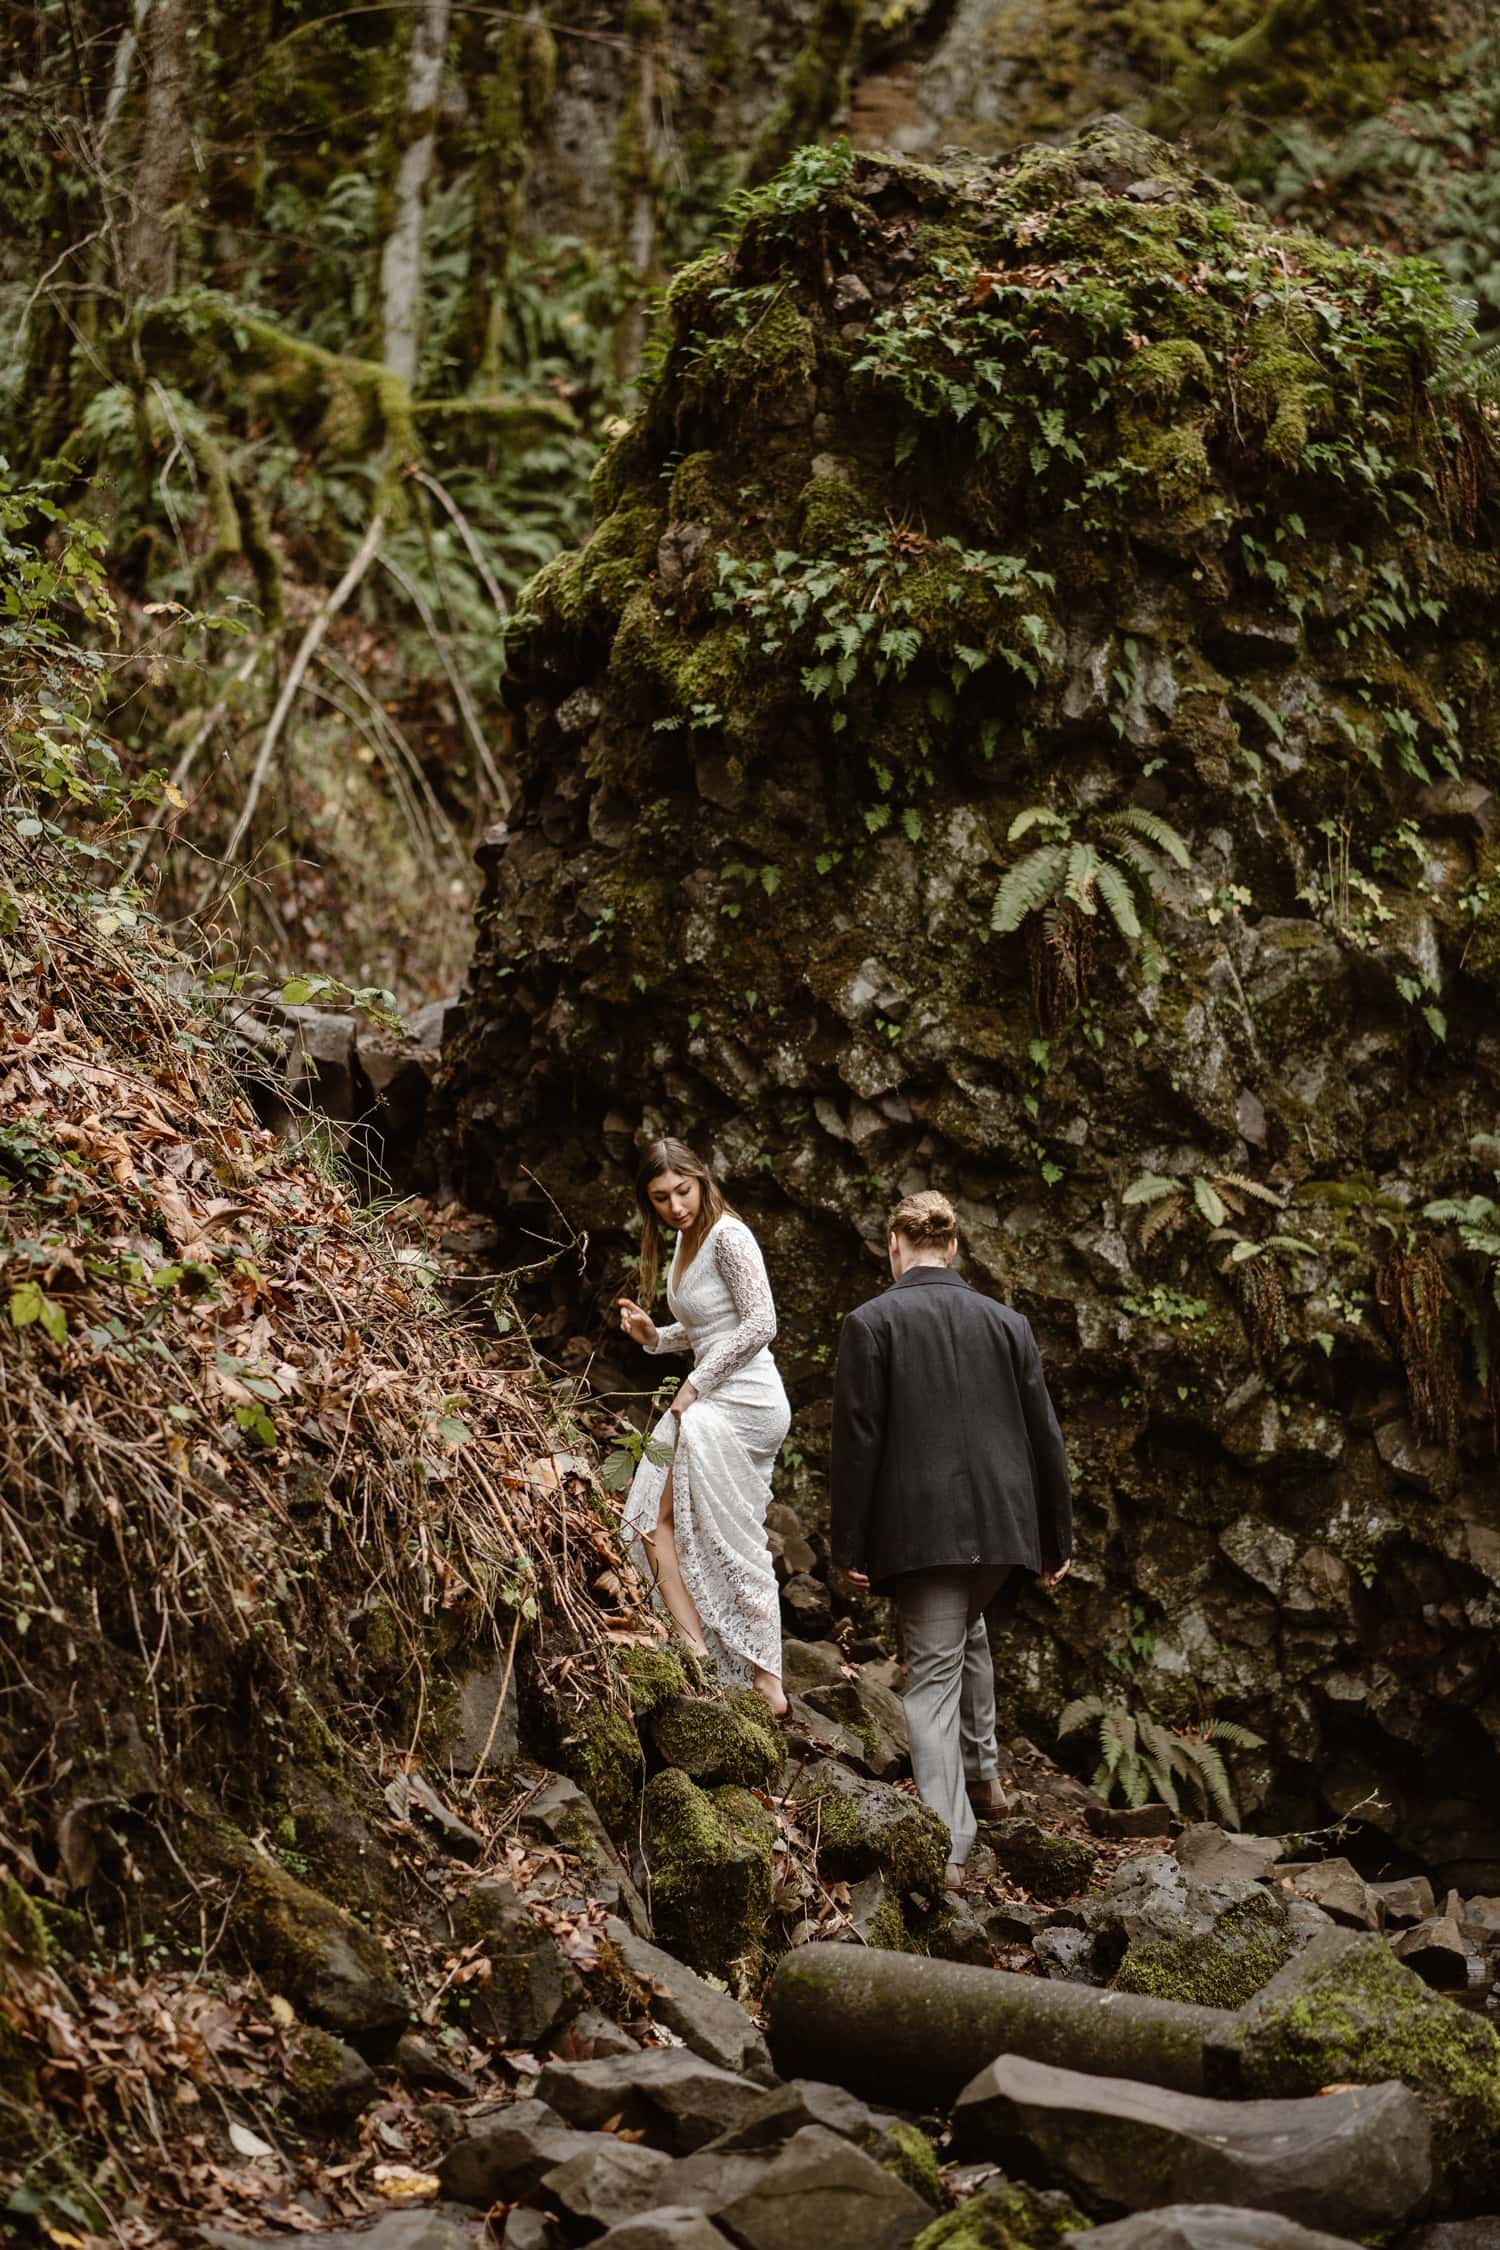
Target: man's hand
x=859, y=1580
x=683, y=1399
x=1056, y=1577
x=638, y=1325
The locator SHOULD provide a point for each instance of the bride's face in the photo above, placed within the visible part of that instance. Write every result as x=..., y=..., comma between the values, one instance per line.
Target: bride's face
x=676, y=1198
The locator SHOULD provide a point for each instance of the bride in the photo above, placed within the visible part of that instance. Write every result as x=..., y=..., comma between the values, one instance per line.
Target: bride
x=700, y=1517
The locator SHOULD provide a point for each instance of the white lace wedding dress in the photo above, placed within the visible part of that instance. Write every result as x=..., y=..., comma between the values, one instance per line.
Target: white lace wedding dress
x=725, y=1443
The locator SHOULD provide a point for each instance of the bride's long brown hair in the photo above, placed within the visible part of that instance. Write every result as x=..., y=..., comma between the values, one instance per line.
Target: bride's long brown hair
x=673, y=1156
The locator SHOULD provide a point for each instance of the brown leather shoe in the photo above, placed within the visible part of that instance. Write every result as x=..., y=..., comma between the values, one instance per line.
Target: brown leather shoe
x=954, y=1879
x=988, y=1799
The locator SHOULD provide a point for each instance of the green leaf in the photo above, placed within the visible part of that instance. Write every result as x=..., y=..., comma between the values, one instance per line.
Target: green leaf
x=1209, y=1201
x=1151, y=1187
x=1436, y=1022
x=911, y=821
x=1075, y=1713
x=296, y=992
x=1035, y=816
x=1155, y=830
x=453, y=1429
x=770, y=880
x=25, y=1305
x=1115, y=892
x=1027, y=887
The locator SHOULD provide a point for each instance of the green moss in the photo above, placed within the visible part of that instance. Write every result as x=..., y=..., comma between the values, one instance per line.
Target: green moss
x=1006, y=2218
x=1161, y=372
x=1219, y=1968
x=322, y=2084
x=653, y=1676
x=709, y=1856
x=1282, y=385
x=887, y=1930
x=863, y=1828
x=602, y=1753
x=916, y=2162
x=733, y=1739
x=1363, y=2017
x=1049, y=1867
x=831, y=511
x=694, y=497
x=21, y=1926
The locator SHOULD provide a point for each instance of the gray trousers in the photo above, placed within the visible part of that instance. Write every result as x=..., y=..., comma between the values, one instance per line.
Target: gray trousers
x=950, y=1691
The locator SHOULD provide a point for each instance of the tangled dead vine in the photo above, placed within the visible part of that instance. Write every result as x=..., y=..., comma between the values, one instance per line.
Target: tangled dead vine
x=1060, y=952
x=1413, y=1293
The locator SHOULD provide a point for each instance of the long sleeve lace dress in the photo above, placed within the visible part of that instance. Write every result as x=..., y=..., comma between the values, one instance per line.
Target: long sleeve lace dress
x=726, y=1444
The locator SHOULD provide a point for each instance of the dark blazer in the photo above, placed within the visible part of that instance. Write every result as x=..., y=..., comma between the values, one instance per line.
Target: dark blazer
x=946, y=1449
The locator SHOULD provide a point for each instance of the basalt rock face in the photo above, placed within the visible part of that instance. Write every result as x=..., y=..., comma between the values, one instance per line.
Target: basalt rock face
x=1064, y=487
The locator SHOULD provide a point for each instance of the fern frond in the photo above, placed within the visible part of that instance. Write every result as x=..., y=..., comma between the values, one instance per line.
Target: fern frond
x=1027, y=886
x=1165, y=1219
x=1230, y=1731
x=1117, y=1735
x=1075, y=1713
x=1151, y=1187
x=1137, y=1784
x=1209, y=1201
x=1035, y=816
x=1115, y=892
x=1163, y=1783
x=1083, y=870
x=1257, y=1188
x=1209, y=1773
x=1156, y=831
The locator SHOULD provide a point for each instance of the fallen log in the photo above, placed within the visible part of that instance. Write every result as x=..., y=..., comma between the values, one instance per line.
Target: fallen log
x=882, y=2024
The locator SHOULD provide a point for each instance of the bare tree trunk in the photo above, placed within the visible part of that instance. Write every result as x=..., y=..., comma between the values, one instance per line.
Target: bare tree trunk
x=640, y=156
x=401, y=258
x=517, y=92
x=166, y=147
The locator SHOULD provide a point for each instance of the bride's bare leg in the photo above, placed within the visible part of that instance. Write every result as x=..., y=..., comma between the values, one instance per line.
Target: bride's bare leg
x=771, y=1688
x=661, y=1546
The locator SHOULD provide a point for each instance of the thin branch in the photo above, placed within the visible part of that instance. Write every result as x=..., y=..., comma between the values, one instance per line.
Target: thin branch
x=456, y=680
x=185, y=764
x=306, y=651
x=466, y=533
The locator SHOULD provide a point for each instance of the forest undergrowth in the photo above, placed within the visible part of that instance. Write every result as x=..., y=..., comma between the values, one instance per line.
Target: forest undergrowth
x=262, y=1501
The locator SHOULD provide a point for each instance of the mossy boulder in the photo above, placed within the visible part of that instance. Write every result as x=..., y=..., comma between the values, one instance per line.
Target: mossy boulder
x=709, y=1857
x=1350, y=2012
x=721, y=1738
x=1048, y=1865
x=601, y=1751
x=1013, y=2217
x=1062, y=486
x=330, y=2084
x=861, y=1826
x=652, y=1677
x=328, y=1965
x=1218, y=1968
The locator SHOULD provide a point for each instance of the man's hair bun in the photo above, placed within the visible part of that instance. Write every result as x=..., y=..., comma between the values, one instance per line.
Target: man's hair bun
x=926, y=1220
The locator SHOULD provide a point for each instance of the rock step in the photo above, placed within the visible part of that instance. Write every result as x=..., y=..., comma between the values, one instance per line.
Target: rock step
x=1352, y=2160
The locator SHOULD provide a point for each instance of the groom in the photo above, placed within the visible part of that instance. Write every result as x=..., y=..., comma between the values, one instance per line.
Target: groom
x=948, y=1472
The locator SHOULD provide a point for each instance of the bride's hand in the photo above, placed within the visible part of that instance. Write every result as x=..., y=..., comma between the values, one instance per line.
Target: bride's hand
x=638, y=1325
x=683, y=1399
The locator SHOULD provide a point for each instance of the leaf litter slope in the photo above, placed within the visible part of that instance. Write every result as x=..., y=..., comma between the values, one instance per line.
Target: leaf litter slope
x=259, y=1497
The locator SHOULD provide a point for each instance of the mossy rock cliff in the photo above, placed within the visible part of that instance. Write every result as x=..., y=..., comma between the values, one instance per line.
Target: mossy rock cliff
x=1064, y=486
